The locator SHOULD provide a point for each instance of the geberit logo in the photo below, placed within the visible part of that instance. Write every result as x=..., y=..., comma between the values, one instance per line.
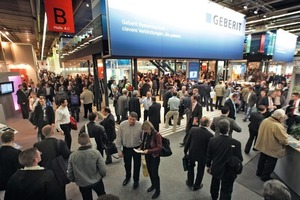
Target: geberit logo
x=222, y=21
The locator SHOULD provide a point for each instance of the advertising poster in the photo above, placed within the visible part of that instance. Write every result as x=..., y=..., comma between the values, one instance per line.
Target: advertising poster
x=285, y=46
x=174, y=29
x=194, y=70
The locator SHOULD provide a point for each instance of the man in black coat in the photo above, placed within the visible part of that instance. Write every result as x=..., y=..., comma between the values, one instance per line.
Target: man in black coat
x=195, y=116
x=96, y=131
x=134, y=104
x=52, y=148
x=167, y=95
x=33, y=182
x=154, y=114
x=44, y=115
x=255, y=119
x=9, y=162
x=109, y=125
x=292, y=111
x=23, y=102
x=231, y=103
x=219, y=151
x=196, y=150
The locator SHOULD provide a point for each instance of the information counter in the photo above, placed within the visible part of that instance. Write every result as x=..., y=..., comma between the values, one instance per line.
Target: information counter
x=288, y=167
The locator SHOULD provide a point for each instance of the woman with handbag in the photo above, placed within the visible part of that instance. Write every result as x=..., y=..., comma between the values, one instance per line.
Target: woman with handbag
x=152, y=145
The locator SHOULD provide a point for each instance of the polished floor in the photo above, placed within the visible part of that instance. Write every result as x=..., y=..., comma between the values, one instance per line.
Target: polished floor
x=171, y=171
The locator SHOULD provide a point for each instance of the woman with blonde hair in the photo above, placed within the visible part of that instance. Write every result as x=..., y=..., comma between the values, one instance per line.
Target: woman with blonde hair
x=152, y=145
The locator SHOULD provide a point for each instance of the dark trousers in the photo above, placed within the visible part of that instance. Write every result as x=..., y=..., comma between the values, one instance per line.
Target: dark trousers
x=200, y=172
x=75, y=112
x=129, y=153
x=208, y=103
x=87, y=108
x=152, y=166
x=252, y=136
x=117, y=113
x=146, y=115
x=188, y=127
x=87, y=194
x=226, y=187
x=219, y=103
x=67, y=132
x=24, y=110
x=266, y=166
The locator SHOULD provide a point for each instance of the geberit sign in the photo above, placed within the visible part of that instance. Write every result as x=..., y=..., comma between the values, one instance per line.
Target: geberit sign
x=223, y=21
x=60, y=15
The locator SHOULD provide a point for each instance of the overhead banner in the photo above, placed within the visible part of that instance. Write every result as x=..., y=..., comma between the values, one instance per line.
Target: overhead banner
x=60, y=15
x=285, y=46
x=194, y=71
x=175, y=29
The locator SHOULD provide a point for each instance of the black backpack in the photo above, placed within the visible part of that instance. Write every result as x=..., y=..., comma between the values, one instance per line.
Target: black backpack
x=74, y=100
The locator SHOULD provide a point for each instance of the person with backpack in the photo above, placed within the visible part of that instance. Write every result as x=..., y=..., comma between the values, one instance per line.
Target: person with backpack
x=74, y=105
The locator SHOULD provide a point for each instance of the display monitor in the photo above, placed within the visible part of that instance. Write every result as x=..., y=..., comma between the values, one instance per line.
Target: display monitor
x=6, y=87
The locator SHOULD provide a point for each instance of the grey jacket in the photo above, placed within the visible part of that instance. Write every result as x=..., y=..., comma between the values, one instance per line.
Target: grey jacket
x=86, y=166
x=233, y=125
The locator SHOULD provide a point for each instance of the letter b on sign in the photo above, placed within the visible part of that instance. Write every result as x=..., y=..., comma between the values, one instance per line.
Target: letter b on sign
x=59, y=16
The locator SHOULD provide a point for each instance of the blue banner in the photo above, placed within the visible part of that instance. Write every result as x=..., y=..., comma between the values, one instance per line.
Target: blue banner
x=285, y=46
x=194, y=71
x=173, y=29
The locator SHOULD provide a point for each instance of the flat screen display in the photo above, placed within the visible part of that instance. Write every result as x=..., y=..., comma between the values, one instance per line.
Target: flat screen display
x=174, y=29
x=6, y=88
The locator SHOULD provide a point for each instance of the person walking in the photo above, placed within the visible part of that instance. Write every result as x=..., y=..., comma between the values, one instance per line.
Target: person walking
x=271, y=142
x=231, y=103
x=134, y=104
x=219, y=151
x=129, y=137
x=109, y=125
x=88, y=97
x=195, y=150
x=44, y=115
x=250, y=102
x=33, y=181
x=96, y=131
x=147, y=102
x=23, y=102
x=154, y=114
x=62, y=121
x=123, y=105
x=151, y=146
x=52, y=148
x=173, y=104
x=255, y=119
x=87, y=168
x=220, y=91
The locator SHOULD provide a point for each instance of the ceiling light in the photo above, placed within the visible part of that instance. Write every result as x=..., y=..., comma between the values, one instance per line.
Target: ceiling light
x=283, y=25
x=256, y=11
x=265, y=16
x=273, y=17
x=246, y=6
x=6, y=37
x=44, y=35
x=6, y=32
x=28, y=39
x=87, y=5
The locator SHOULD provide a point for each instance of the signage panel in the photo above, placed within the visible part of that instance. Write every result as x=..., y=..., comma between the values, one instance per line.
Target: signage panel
x=194, y=70
x=60, y=15
x=285, y=46
x=174, y=29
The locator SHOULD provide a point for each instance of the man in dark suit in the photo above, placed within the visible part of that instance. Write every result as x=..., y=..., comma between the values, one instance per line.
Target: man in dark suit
x=44, y=115
x=52, y=148
x=96, y=131
x=196, y=150
x=220, y=149
x=250, y=102
x=255, y=119
x=154, y=114
x=134, y=104
x=292, y=111
x=109, y=125
x=167, y=95
x=33, y=182
x=233, y=125
x=195, y=117
x=23, y=102
x=268, y=102
x=231, y=103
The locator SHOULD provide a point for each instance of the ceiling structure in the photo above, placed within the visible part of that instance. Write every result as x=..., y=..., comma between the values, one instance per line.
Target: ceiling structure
x=22, y=20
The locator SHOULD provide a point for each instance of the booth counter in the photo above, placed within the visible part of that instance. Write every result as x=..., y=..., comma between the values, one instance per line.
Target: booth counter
x=288, y=167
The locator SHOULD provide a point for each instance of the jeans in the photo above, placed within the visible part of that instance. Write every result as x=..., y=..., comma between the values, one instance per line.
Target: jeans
x=248, y=111
x=86, y=192
x=130, y=154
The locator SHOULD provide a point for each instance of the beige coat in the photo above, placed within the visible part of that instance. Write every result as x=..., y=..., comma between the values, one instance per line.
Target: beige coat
x=87, y=96
x=272, y=138
x=220, y=90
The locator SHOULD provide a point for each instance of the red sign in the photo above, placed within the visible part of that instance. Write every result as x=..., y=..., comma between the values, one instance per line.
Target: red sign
x=262, y=44
x=60, y=15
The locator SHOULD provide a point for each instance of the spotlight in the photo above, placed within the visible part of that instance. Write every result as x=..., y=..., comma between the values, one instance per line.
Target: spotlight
x=246, y=6
x=256, y=11
x=264, y=16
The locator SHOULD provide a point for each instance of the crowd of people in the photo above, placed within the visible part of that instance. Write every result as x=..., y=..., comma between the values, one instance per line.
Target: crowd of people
x=50, y=103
